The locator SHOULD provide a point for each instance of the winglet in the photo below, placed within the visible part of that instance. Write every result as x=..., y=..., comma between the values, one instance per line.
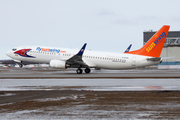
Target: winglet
x=127, y=50
x=82, y=50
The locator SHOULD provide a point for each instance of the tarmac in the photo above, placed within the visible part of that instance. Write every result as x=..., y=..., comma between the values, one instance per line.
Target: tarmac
x=29, y=73
x=56, y=98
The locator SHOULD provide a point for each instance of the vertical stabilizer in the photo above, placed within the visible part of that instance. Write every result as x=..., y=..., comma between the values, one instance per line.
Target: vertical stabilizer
x=155, y=44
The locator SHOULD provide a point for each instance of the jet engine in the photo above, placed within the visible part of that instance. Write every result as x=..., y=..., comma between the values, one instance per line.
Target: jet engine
x=58, y=64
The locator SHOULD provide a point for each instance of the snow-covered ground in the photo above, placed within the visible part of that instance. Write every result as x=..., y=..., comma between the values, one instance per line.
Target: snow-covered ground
x=87, y=111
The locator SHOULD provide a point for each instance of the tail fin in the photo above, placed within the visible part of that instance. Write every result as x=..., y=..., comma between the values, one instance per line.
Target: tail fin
x=155, y=44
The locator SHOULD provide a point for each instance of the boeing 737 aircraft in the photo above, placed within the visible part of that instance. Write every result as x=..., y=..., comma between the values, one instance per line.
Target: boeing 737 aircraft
x=63, y=58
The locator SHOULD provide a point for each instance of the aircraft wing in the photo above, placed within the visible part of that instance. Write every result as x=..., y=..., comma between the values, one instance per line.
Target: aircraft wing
x=76, y=60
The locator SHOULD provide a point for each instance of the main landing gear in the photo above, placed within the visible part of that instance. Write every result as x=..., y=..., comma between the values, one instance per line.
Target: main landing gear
x=20, y=65
x=79, y=70
x=87, y=70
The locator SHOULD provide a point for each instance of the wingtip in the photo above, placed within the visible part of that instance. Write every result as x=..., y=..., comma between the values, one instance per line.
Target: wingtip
x=82, y=49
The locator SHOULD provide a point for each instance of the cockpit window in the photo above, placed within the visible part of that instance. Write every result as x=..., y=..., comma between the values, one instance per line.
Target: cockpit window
x=14, y=49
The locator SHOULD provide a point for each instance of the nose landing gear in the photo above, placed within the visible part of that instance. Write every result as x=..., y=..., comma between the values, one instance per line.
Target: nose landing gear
x=20, y=65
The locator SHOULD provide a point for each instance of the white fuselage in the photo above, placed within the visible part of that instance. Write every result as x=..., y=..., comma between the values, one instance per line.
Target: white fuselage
x=94, y=59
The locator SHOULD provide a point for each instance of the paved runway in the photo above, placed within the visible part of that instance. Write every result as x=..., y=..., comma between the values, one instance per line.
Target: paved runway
x=115, y=74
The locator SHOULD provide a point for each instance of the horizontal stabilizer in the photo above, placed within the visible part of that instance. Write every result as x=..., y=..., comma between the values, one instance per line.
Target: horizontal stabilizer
x=164, y=58
x=154, y=59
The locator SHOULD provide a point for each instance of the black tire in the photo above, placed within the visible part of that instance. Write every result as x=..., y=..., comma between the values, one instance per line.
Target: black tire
x=79, y=71
x=87, y=70
x=20, y=65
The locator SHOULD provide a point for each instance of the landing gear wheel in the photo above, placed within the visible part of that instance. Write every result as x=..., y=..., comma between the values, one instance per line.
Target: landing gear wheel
x=87, y=70
x=79, y=71
x=20, y=65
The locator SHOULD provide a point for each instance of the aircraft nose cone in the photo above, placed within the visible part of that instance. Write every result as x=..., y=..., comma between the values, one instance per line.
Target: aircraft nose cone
x=8, y=53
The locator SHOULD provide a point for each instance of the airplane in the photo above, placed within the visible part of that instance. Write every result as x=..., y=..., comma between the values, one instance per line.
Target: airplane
x=128, y=49
x=63, y=58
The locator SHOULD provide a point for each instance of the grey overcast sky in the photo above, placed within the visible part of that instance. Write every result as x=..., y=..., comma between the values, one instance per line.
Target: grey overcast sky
x=105, y=25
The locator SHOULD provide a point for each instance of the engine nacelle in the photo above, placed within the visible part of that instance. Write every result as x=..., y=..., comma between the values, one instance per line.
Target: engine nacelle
x=58, y=64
